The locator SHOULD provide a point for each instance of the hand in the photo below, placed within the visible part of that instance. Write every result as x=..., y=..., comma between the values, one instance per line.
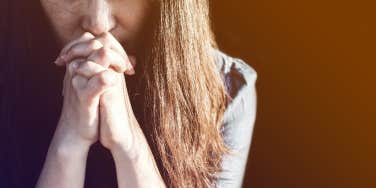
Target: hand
x=118, y=128
x=78, y=124
x=115, y=112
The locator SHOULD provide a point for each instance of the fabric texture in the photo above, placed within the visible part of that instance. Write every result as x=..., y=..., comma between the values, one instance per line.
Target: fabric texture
x=239, y=118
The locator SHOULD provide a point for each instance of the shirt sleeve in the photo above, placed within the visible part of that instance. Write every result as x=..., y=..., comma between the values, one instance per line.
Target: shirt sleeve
x=239, y=118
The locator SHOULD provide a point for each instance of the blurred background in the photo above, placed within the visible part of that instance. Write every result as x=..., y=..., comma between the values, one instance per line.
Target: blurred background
x=315, y=59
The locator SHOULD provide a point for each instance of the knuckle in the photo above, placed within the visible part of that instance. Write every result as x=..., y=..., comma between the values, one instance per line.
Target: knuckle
x=75, y=82
x=106, y=36
x=88, y=34
x=72, y=66
x=85, y=65
x=101, y=57
x=82, y=69
x=102, y=79
x=91, y=64
x=79, y=82
x=73, y=51
x=106, y=78
x=95, y=44
x=123, y=67
x=104, y=52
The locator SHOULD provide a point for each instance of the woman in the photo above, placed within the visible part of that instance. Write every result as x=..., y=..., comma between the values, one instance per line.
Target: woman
x=137, y=96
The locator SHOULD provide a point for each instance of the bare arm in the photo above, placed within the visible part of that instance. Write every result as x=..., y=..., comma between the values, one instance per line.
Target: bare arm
x=65, y=163
x=78, y=127
x=136, y=167
x=119, y=129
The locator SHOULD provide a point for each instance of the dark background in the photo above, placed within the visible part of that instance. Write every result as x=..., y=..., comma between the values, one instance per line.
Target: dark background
x=315, y=124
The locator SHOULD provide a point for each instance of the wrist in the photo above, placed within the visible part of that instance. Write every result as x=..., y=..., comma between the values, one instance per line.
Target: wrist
x=137, y=163
x=64, y=164
x=66, y=140
x=66, y=151
x=67, y=154
x=127, y=137
x=132, y=147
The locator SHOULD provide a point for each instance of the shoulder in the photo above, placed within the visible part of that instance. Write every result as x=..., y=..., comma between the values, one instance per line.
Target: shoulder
x=240, y=82
x=239, y=79
x=235, y=71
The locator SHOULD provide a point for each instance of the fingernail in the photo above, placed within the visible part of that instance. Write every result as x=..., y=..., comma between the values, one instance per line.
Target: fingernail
x=57, y=61
x=60, y=60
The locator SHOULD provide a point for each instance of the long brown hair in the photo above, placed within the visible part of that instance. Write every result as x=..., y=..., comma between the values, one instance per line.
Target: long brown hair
x=184, y=95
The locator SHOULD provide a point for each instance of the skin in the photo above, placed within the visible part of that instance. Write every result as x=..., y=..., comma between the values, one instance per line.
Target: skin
x=99, y=40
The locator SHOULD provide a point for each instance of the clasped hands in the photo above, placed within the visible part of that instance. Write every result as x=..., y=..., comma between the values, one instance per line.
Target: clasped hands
x=96, y=103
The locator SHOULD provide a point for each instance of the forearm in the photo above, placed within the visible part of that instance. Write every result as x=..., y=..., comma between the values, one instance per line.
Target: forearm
x=65, y=163
x=139, y=168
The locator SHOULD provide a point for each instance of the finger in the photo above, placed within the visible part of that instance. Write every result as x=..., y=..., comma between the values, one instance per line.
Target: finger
x=100, y=82
x=108, y=58
x=132, y=60
x=89, y=69
x=73, y=66
x=70, y=71
x=64, y=83
x=82, y=50
x=79, y=82
x=85, y=37
x=109, y=41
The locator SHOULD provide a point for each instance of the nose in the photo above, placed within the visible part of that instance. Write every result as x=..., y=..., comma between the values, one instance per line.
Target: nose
x=98, y=17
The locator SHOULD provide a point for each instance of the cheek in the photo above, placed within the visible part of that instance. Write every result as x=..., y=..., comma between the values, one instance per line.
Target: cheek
x=63, y=22
x=65, y=26
x=66, y=29
x=132, y=17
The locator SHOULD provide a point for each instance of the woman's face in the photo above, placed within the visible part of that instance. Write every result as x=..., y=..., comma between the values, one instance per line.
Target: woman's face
x=123, y=18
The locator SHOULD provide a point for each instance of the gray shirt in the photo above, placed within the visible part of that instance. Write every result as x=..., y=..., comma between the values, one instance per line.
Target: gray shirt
x=239, y=118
